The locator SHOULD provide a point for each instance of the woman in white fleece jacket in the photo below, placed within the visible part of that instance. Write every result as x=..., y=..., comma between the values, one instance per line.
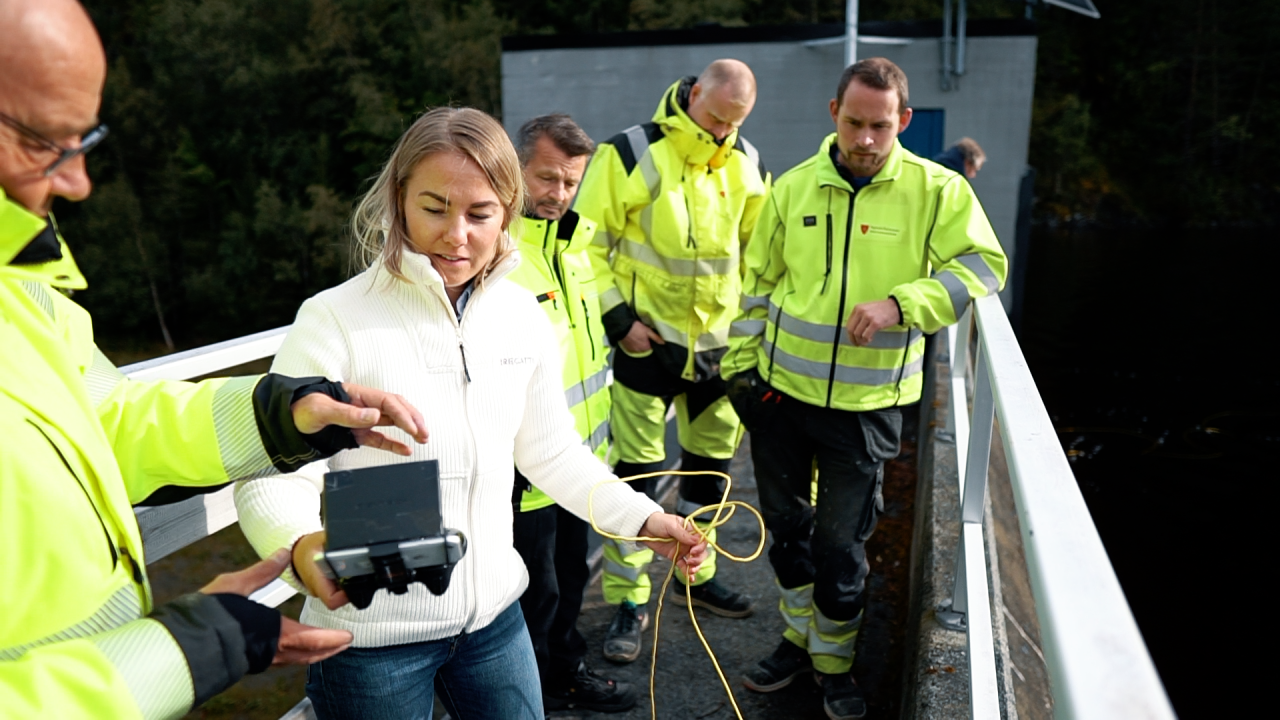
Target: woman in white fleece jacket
x=432, y=320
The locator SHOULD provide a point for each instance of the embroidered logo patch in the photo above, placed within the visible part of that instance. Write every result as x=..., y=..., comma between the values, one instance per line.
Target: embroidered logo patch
x=881, y=230
x=810, y=220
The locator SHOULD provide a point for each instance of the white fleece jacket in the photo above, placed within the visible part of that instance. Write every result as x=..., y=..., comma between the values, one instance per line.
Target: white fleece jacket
x=489, y=389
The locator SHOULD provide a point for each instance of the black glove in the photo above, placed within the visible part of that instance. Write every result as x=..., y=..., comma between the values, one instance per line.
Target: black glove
x=752, y=398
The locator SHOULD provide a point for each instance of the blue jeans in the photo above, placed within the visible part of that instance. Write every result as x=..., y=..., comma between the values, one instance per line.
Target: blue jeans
x=490, y=673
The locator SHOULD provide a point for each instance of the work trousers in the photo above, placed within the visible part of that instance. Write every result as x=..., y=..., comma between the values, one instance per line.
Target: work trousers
x=553, y=543
x=819, y=553
x=709, y=432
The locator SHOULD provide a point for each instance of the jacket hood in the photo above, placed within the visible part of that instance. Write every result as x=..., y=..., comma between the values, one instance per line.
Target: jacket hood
x=18, y=227
x=828, y=175
x=696, y=145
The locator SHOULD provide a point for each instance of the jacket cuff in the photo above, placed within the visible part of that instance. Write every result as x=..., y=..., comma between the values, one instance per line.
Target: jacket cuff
x=260, y=626
x=617, y=323
x=211, y=640
x=289, y=449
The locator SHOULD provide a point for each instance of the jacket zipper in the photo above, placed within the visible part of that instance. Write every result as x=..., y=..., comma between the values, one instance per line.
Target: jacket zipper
x=844, y=286
x=586, y=320
x=111, y=545
x=826, y=276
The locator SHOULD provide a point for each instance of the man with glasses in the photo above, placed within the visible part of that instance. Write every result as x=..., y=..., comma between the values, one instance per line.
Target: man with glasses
x=80, y=636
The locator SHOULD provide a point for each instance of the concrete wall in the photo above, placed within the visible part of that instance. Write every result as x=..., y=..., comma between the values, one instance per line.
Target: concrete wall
x=609, y=89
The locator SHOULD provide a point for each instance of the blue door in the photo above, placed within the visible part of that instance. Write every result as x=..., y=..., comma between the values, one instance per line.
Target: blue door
x=924, y=135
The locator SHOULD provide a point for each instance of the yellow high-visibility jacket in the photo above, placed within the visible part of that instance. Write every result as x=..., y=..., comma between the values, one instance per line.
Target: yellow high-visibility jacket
x=555, y=268
x=917, y=233
x=79, y=637
x=674, y=209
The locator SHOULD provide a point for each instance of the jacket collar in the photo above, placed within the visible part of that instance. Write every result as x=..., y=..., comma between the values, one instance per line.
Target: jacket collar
x=420, y=272
x=694, y=144
x=571, y=229
x=18, y=227
x=829, y=176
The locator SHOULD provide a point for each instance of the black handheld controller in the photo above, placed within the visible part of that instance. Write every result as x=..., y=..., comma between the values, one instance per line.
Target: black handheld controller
x=384, y=531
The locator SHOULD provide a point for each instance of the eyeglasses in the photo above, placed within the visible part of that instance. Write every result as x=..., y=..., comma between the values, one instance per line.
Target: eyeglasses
x=65, y=154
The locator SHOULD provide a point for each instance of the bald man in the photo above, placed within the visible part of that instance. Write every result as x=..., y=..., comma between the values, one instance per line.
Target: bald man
x=79, y=635
x=675, y=199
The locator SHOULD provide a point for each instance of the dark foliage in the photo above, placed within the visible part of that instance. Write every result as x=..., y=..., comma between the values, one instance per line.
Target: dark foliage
x=243, y=130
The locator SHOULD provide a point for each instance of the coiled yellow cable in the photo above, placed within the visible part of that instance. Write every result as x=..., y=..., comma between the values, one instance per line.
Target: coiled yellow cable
x=719, y=518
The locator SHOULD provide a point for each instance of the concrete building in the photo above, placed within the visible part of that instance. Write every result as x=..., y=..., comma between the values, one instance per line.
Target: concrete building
x=612, y=81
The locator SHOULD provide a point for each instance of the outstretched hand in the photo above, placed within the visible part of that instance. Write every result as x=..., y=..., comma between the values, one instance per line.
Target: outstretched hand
x=299, y=644
x=688, y=551
x=369, y=408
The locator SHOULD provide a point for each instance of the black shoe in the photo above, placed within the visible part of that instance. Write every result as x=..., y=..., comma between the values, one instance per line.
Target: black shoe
x=622, y=640
x=588, y=691
x=779, y=669
x=716, y=598
x=841, y=696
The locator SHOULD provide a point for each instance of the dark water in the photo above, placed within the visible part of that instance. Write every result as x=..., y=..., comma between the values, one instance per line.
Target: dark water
x=1155, y=354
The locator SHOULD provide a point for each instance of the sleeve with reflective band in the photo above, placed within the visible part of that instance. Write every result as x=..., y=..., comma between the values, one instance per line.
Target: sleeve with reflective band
x=606, y=196
x=136, y=670
x=762, y=268
x=966, y=258
x=212, y=422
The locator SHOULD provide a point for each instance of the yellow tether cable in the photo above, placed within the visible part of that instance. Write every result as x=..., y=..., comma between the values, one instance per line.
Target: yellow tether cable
x=719, y=518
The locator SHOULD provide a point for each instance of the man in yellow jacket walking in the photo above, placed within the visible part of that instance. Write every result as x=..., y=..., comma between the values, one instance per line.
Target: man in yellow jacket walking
x=80, y=636
x=675, y=199
x=860, y=250
x=551, y=540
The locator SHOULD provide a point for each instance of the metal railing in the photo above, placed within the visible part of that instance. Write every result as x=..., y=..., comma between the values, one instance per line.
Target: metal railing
x=1098, y=665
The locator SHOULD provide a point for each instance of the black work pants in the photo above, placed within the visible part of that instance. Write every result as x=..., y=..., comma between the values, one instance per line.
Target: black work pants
x=553, y=543
x=823, y=545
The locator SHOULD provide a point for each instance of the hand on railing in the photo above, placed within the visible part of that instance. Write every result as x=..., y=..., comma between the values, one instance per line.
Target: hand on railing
x=369, y=408
x=299, y=644
x=868, y=318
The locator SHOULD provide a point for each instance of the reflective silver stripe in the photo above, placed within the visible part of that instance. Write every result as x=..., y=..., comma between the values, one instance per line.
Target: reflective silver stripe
x=153, y=667
x=798, y=600
x=599, y=436
x=751, y=302
x=239, y=444
x=639, y=143
x=827, y=626
x=883, y=340
x=821, y=642
x=818, y=646
x=979, y=267
x=123, y=606
x=101, y=378
x=706, y=341
x=625, y=572
x=40, y=294
x=846, y=374
x=575, y=396
x=746, y=328
x=610, y=299
x=799, y=624
x=643, y=253
x=597, y=382
x=956, y=288
x=888, y=339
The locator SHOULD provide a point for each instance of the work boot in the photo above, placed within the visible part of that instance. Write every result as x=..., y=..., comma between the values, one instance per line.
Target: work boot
x=841, y=696
x=622, y=640
x=779, y=669
x=717, y=598
x=586, y=690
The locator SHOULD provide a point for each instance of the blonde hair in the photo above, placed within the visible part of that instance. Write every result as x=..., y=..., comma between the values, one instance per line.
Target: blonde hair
x=378, y=224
